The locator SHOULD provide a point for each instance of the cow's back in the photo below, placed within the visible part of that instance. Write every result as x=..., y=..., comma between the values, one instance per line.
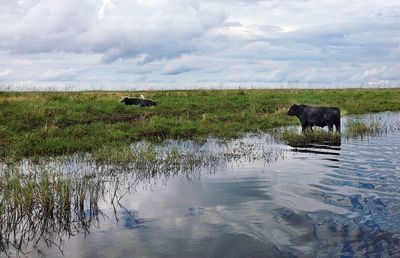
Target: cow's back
x=321, y=115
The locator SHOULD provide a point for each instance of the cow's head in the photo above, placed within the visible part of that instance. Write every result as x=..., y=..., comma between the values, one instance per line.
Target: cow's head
x=123, y=99
x=294, y=110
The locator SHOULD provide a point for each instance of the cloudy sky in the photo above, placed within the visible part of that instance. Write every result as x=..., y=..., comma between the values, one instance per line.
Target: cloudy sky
x=149, y=44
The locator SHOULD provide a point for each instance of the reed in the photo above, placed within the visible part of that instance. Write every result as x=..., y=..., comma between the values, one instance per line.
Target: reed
x=357, y=129
x=42, y=206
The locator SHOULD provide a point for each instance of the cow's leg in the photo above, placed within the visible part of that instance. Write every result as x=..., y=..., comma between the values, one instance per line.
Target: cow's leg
x=330, y=127
x=304, y=127
x=337, y=125
x=337, y=128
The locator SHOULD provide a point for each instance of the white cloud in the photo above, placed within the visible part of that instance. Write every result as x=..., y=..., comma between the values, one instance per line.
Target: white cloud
x=180, y=65
x=198, y=43
x=120, y=29
x=59, y=75
x=5, y=72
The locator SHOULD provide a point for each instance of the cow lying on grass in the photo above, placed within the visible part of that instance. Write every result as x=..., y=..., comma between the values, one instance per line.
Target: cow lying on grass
x=138, y=102
x=310, y=116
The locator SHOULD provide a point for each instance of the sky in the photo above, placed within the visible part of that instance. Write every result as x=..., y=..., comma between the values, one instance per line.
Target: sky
x=176, y=44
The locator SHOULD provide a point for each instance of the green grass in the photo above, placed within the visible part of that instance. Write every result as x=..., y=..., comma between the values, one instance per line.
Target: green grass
x=295, y=139
x=51, y=123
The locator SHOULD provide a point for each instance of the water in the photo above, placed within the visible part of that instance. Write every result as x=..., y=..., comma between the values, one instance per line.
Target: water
x=259, y=198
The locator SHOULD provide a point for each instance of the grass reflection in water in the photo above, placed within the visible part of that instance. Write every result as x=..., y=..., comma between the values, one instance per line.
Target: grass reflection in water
x=47, y=201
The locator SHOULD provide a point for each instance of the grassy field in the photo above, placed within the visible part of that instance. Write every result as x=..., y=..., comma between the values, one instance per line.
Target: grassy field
x=50, y=123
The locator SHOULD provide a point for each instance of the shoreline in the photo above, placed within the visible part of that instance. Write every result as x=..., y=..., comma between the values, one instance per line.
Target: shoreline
x=62, y=123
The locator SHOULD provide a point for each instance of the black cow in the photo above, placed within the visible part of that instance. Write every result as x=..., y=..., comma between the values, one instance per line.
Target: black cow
x=138, y=102
x=319, y=116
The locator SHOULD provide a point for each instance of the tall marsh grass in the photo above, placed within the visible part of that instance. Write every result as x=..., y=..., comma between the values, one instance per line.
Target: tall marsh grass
x=361, y=129
x=44, y=207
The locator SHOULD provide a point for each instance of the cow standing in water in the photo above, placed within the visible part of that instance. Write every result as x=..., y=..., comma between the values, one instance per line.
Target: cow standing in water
x=310, y=116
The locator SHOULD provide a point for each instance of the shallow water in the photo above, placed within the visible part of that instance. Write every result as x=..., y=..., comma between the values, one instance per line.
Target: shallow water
x=259, y=198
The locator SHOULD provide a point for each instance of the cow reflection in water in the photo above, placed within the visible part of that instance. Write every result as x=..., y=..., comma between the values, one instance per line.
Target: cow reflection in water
x=310, y=116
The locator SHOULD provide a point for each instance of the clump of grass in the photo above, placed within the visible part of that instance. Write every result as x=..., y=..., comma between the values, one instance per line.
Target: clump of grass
x=359, y=129
x=37, y=205
x=110, y=155
x=293, y=138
